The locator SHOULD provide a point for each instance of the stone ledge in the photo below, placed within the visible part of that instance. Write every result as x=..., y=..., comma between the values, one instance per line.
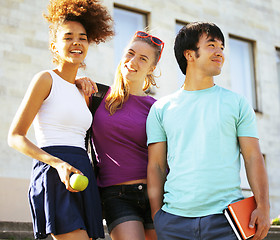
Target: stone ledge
x=23, y=231
x=274, y=230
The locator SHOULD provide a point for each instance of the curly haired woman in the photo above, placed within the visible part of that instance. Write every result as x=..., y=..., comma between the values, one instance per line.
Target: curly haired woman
x=61, y=119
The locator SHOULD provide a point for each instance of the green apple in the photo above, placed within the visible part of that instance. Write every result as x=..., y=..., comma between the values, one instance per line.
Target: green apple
x=78, y=182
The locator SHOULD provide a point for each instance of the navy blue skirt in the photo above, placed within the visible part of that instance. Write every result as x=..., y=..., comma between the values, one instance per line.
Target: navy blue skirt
x=55, y=209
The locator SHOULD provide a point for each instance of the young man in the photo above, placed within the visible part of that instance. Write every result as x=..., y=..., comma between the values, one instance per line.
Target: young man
x=197, y=133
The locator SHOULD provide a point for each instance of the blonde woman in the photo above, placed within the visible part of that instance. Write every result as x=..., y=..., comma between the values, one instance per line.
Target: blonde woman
x=119, y=136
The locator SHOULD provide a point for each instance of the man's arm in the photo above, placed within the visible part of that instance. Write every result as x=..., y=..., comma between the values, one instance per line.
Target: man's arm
x=157, y=167
x=258, y=180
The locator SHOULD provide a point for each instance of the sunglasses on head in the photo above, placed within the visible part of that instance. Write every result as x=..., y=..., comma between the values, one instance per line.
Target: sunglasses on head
x=154, y=40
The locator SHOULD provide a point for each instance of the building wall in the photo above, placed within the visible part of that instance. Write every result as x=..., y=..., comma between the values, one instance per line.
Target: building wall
x=24, y=52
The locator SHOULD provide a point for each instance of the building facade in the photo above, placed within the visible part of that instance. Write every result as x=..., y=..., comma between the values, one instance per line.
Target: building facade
x=252, y=68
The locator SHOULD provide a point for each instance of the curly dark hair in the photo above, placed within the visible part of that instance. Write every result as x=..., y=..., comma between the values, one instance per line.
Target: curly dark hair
x=91, y=14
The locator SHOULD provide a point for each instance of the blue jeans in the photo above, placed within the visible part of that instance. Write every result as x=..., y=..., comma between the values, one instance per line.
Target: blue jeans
x=173, y=227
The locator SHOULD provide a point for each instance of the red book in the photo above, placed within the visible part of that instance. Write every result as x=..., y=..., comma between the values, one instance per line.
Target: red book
x=239, y=214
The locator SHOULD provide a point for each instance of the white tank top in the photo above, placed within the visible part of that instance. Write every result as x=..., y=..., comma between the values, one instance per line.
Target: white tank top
x=64, y=117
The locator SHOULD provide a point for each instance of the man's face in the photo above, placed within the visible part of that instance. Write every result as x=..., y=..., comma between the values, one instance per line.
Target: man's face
x=210, y=55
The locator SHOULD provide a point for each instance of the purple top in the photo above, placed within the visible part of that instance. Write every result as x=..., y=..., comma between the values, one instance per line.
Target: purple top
x=120, y=141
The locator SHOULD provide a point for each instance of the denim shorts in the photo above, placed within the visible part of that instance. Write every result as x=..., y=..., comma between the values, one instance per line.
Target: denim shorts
x=123, y=203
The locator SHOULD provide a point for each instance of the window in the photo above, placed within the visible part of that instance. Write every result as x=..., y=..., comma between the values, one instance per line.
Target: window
x=180, y=75
x=126, y=24
x=278, y=66
x=242, y=71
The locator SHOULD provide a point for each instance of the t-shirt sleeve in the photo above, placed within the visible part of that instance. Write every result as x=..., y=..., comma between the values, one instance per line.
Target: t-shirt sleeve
x=154, y=128
x=246, y=125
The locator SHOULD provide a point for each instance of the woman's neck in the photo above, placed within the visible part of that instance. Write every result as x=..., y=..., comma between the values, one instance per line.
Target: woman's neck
x=67, y=71
x=136, y=88
x=137, y=91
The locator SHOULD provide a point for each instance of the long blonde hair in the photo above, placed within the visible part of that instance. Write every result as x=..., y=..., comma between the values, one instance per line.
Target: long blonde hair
x=120, y=89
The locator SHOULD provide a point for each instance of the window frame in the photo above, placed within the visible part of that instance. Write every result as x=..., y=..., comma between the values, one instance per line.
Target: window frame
x=254, y=82
x=277, y=51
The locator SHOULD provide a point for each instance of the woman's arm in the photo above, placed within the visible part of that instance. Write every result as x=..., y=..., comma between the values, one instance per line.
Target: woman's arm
x=86, y=85
x=37, y=92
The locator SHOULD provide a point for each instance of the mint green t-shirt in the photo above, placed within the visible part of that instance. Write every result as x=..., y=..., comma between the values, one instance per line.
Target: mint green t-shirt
x=201, y=129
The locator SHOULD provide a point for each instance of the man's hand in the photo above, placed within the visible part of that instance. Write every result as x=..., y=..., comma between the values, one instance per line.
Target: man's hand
x=87, y=85
x=260, y=219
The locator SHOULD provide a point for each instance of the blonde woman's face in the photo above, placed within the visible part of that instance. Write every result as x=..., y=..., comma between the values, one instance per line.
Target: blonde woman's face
x=138, y=61
x=71, y=44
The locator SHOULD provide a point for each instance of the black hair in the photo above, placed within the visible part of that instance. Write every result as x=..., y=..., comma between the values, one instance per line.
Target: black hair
x=188, y=38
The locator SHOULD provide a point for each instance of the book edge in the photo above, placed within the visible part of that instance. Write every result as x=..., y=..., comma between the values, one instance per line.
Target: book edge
x=232, y=224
